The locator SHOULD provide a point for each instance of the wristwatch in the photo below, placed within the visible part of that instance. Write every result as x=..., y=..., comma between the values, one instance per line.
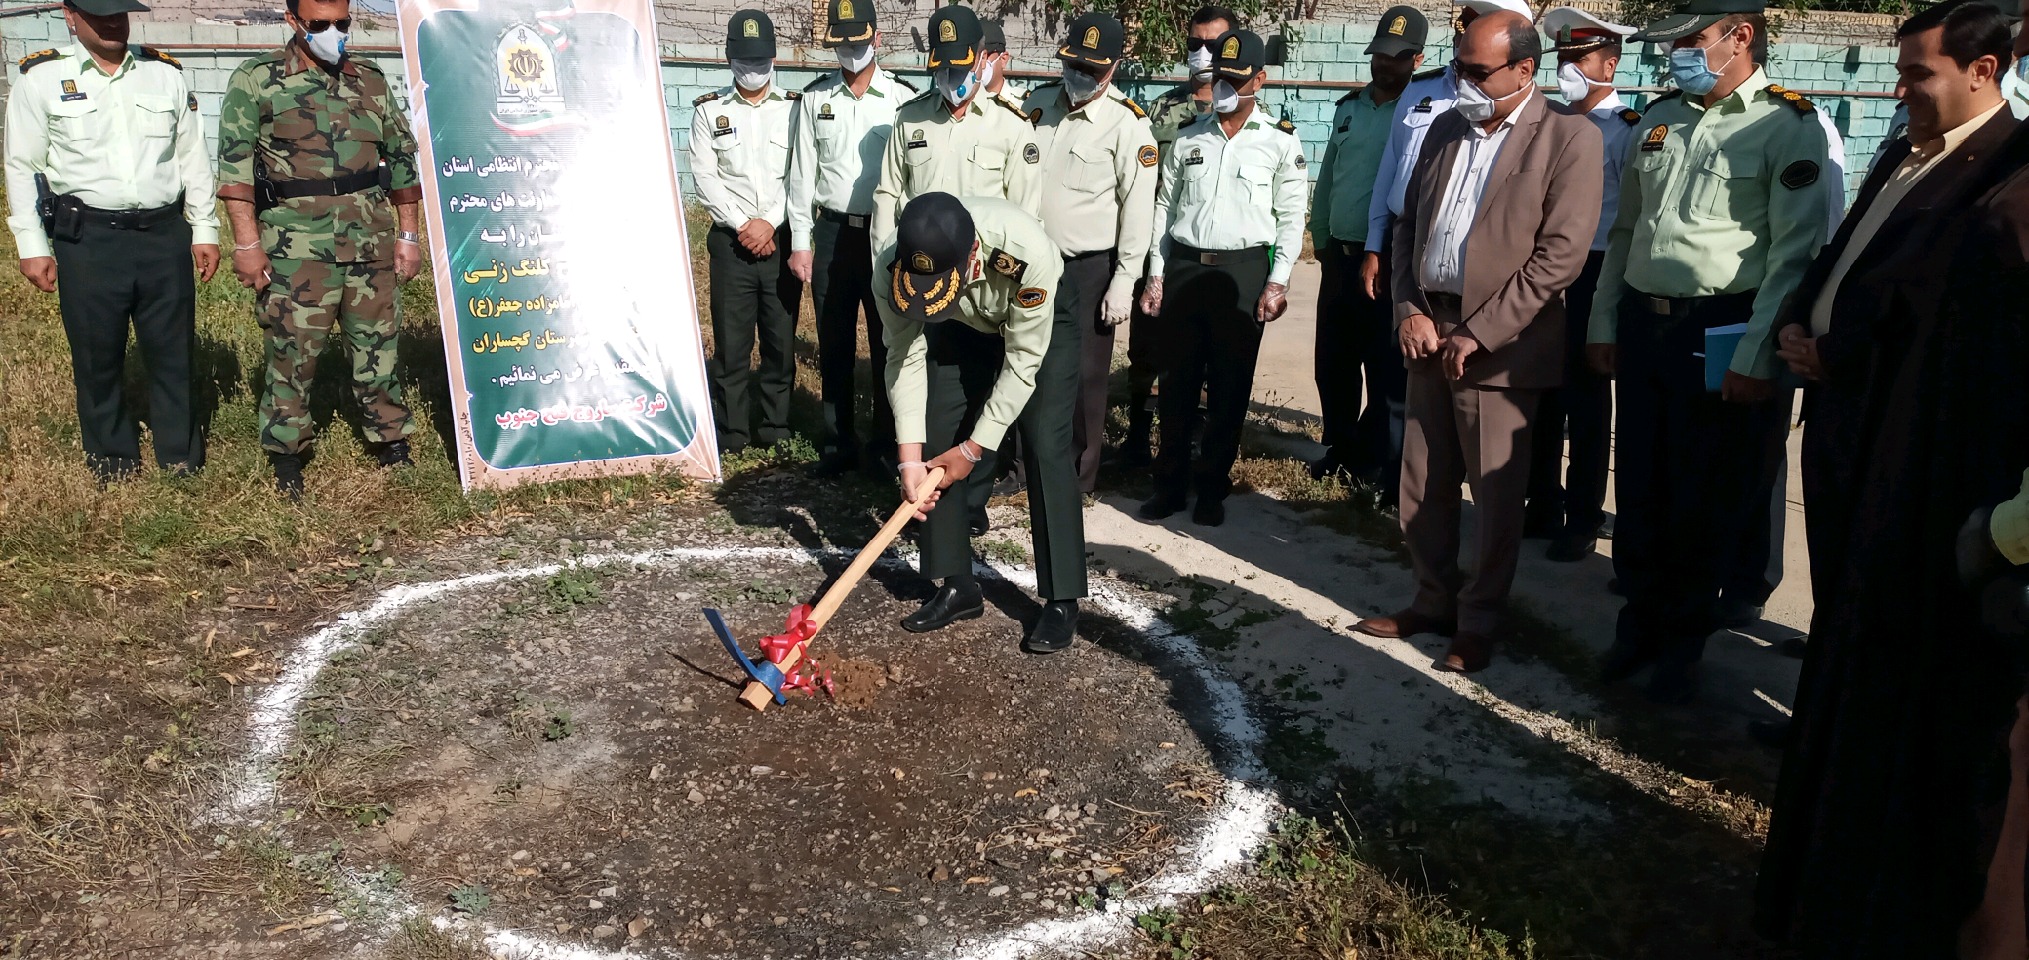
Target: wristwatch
x=410, y=236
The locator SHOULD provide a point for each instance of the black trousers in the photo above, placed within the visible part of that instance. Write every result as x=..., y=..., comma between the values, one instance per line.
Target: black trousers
x=106, y=280
x=753, y=299
x=1211, y=340
x=1692, y=478
x=1355, y=335
x=841, y=294
x=963, y=365
x=1576, y=502
x=1079, y=292
x=1756, y=567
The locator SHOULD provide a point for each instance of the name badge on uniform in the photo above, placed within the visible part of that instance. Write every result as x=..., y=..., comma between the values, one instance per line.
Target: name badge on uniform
x=1654, y=140
x=1423, y=107
x=1196, y=157
x=824, y=113
x=917, y=141
x=71, y=92
x=723, y=126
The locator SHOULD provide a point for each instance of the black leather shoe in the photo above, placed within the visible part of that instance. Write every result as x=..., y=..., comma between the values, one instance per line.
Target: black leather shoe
x=1736, y=614
x=395, y=454
x=1571, y=548
x=944, y=608
x=1624, y=660
x=288, y=474
x=1773, y=734
x=1160, y=506
x=1055, y=629
x=1209, y=513
x=1540, y=526
x=834, y=464
x=1331, y=466
x=979, y=522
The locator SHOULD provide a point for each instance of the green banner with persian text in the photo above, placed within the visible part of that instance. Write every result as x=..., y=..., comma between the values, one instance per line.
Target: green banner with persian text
x=563, y=269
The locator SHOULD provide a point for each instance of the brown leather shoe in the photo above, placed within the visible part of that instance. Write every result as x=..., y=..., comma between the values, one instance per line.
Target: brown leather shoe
x=1405, y=623
x=1469, y=653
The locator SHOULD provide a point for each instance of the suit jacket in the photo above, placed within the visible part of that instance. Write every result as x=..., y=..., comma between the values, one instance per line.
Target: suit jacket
x=1527, y=245
x=1869, y=291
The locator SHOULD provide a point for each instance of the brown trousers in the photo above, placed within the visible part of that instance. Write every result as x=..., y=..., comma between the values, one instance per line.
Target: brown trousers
x=1458, y=433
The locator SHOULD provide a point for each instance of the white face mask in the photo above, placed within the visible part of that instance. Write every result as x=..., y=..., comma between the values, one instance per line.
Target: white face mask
x=956, y=84
x=1081, y=86
x=1226, y=98
x=327, y=45
x=1574, y=84
x=1474, y=104
x=854, y=57
x=752, y=75
x=1200, y=62
x=986, y=72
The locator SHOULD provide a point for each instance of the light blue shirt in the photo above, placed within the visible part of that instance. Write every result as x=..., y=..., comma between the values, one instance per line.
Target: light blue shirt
x=1420, y=105
x=1616, y=132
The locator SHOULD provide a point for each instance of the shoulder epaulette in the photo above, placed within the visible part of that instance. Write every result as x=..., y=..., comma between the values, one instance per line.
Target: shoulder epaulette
x=39, y=56
x=1662, y=97
x=1631, y=115
x=906, y=85
x=793, y=95
x=365, y=64
x=150, y=53
x=1139, y=113
x=707, y=98
x=1350, y=95
x=1429, y=74
x=1790, y=97
x=1014, y=108
x=925, y=95
x=1285, y=126
x=814, y=84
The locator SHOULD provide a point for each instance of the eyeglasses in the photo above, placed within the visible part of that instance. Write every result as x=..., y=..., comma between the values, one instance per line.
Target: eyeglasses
x=344, y=25
x=1194, y=44
x=1477, y=75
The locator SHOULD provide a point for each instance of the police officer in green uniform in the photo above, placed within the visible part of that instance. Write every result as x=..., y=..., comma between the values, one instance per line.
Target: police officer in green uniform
x=109, y=199
x=1167, y=116
x=739, y=158
x=1720, y=213
x=317, y=167
x=838, y=132
x=977, y=352
x=1228, y=227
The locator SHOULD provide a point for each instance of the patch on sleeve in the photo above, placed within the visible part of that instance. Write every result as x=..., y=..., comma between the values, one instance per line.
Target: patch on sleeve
x=1032, y=297
x=193, y=103
x=1031, y=154
x=1008, y=265
x=1800, y=174
x=1147, y=155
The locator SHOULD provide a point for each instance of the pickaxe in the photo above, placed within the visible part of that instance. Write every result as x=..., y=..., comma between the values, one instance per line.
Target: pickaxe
x=784, y=653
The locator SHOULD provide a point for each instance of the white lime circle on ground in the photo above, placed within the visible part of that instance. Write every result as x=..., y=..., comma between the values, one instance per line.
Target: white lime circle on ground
x=1238, y=824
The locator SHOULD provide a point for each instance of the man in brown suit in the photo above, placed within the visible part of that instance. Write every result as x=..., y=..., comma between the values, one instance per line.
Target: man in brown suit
x=1498, y=218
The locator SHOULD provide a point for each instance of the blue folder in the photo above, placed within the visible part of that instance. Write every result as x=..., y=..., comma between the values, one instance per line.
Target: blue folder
x=1720, y=342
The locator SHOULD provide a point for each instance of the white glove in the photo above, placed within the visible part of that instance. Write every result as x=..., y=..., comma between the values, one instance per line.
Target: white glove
x=1119, y=302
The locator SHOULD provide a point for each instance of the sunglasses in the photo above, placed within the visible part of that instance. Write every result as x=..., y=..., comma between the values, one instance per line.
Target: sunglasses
x=1195, y=44
x=344, y=25
x=1478, y=75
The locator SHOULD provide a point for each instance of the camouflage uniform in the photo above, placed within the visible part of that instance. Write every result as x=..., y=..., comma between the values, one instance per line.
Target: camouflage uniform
x=333, y=256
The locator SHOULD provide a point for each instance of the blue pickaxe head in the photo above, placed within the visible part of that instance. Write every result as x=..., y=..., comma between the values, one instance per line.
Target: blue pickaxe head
x=763, y=673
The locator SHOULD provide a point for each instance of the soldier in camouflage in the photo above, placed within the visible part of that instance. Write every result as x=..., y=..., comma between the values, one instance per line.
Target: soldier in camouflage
x=1183, y=104
x=316, y=164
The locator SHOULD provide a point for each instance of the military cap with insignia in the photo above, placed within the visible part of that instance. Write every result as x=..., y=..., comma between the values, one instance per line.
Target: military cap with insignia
x=1094, y=39
x=954, y=37
x=750, y=35
x=1693, y=16
x=849, y=21
x=1573, y=30
x=1402, y=30
x=933, y=244
x=1239, y=55
x=106, y=8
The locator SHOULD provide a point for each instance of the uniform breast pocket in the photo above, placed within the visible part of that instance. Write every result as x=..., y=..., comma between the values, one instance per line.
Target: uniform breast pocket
x=74, y=124
x=1728, y=188
x=778, y=150
x=1089, y=170
x=156, y=117
x=1258, y=179
x=988, y=163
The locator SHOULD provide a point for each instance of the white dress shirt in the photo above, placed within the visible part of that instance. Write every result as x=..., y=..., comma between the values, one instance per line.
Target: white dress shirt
x=739, y=156
x=1421, y=103
x=1443, y=266
x=836, y=143
x=1218, y=193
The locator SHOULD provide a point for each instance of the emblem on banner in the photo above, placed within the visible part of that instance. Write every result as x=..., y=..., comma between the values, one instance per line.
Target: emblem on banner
x=528, y=94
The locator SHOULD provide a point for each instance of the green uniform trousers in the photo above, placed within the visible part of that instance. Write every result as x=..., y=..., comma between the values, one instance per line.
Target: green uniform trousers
x=304, y=304
x=963, y=364
x=752, y=297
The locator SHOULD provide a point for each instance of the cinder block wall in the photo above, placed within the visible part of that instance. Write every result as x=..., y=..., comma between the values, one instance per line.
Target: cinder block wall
x=1850, y=83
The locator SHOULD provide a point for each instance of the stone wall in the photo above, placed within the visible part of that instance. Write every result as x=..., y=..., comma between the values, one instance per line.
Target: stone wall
x=1325, y=61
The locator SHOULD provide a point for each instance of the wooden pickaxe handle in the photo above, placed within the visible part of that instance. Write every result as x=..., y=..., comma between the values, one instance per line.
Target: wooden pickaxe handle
x=757, y=694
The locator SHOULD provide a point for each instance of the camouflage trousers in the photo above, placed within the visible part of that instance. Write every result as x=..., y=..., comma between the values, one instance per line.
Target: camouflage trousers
x=307, y=303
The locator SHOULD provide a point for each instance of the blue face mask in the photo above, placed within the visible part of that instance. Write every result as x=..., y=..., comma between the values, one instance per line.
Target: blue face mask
x=1691, y=73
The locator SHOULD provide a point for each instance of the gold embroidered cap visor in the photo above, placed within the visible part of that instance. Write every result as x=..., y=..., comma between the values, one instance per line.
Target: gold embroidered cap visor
x=1095, y=39
x=933, y=247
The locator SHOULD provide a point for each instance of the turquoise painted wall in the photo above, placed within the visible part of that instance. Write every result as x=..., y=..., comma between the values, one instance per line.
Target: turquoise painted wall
x=1324, y=53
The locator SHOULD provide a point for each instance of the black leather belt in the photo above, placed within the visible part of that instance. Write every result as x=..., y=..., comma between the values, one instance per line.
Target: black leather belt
x=1685, y=306
x=857, y=221
x=1075, y=257
x=1218, y=258
x=1346, y=248
x=134, y=219
x=1446, y=301
x=334, y=187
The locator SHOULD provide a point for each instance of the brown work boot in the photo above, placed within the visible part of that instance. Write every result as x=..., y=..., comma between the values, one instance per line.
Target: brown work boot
x=1469, y=653
x=1406, y=623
